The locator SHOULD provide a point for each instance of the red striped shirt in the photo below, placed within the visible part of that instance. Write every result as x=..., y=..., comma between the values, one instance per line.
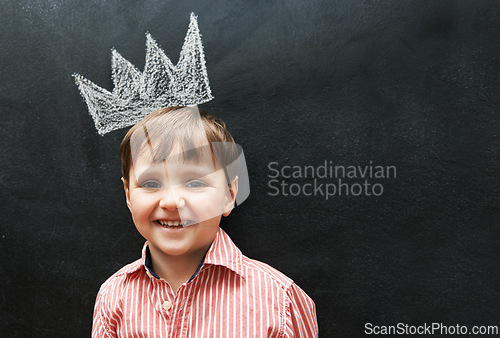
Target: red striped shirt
x=231, y=296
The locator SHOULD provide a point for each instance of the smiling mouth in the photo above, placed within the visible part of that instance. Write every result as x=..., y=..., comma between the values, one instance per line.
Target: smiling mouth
x=174, y=224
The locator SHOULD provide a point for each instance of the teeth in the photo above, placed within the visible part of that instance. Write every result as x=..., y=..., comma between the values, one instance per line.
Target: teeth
x=173, y=223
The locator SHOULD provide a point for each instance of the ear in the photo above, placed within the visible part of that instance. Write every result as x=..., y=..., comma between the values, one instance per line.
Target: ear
x=127, y=193
x=231, y=196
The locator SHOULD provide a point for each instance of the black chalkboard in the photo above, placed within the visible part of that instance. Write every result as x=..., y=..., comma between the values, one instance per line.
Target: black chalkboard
x=413, y=85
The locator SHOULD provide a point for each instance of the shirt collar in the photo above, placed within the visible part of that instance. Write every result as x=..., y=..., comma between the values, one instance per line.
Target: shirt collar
x=148, y=264
x=225, y=253
x=222, y=252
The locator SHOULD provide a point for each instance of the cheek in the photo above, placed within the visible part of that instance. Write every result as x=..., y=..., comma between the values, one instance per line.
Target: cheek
x=210, y=205
x=142, y=205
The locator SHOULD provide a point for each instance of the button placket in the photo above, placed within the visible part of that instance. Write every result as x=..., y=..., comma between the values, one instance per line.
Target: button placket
x=166, y=305
x=165, y=299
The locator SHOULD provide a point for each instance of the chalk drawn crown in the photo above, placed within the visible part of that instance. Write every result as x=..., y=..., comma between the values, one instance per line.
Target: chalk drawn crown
x=161, y=84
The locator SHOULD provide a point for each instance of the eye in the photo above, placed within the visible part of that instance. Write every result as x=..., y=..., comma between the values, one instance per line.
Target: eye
x=196, y=184
x=151, y=185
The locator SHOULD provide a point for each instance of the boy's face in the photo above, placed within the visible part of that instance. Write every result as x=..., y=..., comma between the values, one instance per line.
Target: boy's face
x=177, y=205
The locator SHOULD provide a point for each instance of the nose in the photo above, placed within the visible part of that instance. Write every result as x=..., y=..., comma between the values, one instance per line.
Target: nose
x=171, y=199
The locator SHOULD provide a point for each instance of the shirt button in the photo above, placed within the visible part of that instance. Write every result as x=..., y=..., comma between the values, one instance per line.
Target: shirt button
x=166, y=305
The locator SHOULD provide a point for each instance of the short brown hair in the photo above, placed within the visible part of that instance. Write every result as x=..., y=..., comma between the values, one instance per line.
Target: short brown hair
x=176, y=126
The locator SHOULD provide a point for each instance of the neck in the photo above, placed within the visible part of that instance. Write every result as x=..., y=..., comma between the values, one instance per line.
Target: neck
x=176, y=270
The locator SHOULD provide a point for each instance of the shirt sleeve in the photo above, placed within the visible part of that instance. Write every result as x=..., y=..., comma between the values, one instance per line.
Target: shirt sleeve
x=103, y=325
x=301, y=318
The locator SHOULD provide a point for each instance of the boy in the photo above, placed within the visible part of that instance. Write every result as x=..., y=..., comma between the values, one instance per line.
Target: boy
x=192, y=281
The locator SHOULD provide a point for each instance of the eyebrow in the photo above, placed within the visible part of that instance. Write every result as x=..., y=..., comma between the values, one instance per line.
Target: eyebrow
x=155, y=170
x=199, y=170
x=187, y=169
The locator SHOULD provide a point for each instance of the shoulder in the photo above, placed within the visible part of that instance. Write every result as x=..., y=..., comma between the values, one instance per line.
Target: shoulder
x=120, y=280
x=266, y=273
x=108, y=308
